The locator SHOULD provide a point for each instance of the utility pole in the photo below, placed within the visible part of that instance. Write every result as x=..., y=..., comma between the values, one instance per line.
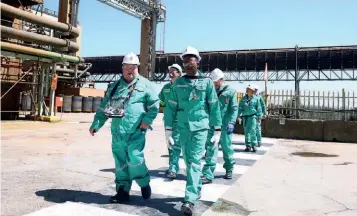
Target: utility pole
x=297, y=83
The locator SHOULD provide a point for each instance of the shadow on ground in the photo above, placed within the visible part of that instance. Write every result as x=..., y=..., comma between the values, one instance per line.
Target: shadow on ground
x=163, y=205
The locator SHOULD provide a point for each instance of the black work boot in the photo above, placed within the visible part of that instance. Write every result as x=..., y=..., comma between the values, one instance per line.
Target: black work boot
x=247, y=149
x=121, y=196
x=205, y=180
x=228, y=175
x=146, y=192
x=171, y=175
x=254, y=149
x=258, y=144
x=187, y=208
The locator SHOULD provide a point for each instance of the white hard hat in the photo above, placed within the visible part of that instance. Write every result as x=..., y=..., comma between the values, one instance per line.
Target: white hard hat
x=178, y=67
x=191, y=51
x=251, y=86
x=131, y=58
x=216, y=74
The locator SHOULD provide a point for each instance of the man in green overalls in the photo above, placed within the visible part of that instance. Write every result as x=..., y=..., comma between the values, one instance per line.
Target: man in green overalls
x=229, y=109
x=133, y=105
x=264, y=112
x=250, y=111
x=193, y=102
x=173, y=146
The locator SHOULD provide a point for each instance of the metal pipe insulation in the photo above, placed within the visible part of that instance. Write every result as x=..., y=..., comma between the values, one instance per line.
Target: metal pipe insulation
x=39, y=52
x=30, y=17
x=37, y=38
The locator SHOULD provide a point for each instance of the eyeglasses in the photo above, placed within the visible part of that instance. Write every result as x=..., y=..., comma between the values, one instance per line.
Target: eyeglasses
x=130, y=67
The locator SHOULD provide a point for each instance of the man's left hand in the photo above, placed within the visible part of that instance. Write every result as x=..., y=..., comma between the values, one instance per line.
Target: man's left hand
x=143, y=125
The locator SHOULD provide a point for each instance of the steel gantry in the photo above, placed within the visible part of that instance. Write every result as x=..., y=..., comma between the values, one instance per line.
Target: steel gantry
x=150, y=12
x=288, y=64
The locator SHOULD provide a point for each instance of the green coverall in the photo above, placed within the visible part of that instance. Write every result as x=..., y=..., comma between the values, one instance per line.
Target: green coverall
x=250, y=111
x=259, y=126
x=128, y=140
x=193, y=102
x=174, y=153
x=229, y=110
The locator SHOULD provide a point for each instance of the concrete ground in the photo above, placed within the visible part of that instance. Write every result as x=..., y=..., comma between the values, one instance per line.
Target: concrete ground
x=59, y=169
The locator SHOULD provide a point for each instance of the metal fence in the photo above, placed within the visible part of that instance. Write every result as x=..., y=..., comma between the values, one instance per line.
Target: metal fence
x=322, y=105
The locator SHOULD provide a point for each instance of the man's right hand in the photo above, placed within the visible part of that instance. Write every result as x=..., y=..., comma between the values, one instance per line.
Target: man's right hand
x=92, y=131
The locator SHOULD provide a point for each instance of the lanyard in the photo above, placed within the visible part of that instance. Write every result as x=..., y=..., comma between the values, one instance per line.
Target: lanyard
x=131, y=89
x=221, y=91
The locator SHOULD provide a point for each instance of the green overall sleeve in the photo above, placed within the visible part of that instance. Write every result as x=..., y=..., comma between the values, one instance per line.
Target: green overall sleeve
x=152, y=106
x=262, y=103
x=214, y=110
x=162, y=97
x=259, y=109
x=233, y=108
x=170, y=110
x=99, y=117
x=240, y=107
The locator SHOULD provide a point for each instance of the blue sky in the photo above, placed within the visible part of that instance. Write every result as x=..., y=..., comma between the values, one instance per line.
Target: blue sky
x=223, y=25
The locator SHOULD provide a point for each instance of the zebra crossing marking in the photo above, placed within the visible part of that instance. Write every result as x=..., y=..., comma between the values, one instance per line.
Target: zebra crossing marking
x=167, y=194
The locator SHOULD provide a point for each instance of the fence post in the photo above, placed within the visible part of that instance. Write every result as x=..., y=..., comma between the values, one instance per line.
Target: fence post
x=344, y=104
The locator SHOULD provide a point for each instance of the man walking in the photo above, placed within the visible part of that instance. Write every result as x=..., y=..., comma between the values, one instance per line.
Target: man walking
x=264, y=112
x=229, y=109
x=194, y=103
x=132, y=105
x=250, y=111
x=173, y=145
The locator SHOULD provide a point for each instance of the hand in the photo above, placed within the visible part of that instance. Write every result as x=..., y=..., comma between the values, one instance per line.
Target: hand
x=169, y=140
x=264, y=116
x=143, y=125
x=230, y=128
x=216, y=137
x=92, y=131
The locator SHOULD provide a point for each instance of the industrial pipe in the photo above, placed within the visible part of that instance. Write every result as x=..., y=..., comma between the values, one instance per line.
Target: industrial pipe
x=37, y=38
x=40, y=20
x=39, y=52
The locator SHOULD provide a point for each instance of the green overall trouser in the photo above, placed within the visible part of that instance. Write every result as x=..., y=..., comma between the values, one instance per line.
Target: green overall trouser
x=128, y=152
x=212, y=151
x=174, y=153
x=193, y=145
x=259, y=133
x=250, y=125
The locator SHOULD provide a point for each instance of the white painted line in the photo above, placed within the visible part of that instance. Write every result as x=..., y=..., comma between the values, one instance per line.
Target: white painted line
x=243, y=155
x=176, y=188
x=71, y=208
x=238, y=169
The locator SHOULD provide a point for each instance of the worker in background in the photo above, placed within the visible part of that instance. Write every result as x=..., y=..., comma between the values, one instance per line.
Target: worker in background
x=229, y=109
x=264, y=112
x=193, y=102
x=250, y=111
x=132, y=105
x=174, y=146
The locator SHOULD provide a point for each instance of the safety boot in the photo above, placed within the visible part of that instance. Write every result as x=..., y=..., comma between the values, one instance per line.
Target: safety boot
x=205, y=180
x=247, y=149
x=258, y=144
x=146, y=192
x=254, y=149
x=171, y=175
x=120, y=197
x=228, y=175
x=187, y=208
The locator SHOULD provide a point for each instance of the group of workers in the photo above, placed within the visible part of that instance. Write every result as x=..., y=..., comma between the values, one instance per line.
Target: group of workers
x=199, y=113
